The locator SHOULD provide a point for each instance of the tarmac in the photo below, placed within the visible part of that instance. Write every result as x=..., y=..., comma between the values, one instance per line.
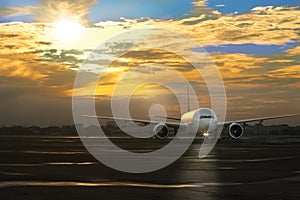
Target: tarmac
x=41, y=167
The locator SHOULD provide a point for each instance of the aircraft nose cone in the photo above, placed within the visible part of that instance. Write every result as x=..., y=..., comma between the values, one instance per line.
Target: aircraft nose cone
x=212, y=125
x=207, y=125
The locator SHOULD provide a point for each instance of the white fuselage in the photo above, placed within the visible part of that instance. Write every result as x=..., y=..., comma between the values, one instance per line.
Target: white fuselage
x=201, y=121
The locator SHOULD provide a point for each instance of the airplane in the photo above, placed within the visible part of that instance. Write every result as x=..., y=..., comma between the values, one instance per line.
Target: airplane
x=200, y=121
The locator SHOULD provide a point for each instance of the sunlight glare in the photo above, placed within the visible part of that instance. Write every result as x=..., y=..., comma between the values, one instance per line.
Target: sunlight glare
x=67, y=30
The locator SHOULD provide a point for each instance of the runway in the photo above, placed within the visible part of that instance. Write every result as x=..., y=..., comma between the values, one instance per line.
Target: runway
x=61, y=168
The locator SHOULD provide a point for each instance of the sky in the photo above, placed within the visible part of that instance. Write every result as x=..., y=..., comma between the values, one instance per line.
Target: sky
x=253, y=43
x=240, y=7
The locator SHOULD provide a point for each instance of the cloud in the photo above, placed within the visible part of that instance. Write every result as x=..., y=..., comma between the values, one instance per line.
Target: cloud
x=258, y=81
x=16, y=11
x=20, y=58
x=200, y=13
x=294, y=51
x=53, y=10
x=37, y=74
x=243, y=7
x=262, y=8
x=274, y=26
x=25, y=102
x=66, y=57
x=290, y=72
x=16, y=39
x=56, y=9
x=32, y=90
x=252, y=71
x=199, y=3
x=251, y=76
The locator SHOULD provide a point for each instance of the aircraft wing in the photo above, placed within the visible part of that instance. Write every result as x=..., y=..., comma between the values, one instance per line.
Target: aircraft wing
x=257, y=119
x=170, y=124
x=171, y=118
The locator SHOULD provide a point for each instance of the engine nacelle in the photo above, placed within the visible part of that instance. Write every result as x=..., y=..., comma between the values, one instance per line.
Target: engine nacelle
x=161, y=131
x=235, y=130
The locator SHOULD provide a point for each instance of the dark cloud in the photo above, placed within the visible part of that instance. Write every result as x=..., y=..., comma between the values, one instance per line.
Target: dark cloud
x=8, y=35
x=68, y=57
x=24, y=101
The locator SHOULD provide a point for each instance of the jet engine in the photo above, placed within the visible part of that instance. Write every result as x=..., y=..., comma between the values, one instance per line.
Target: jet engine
x=161, y=131
x=235, y=130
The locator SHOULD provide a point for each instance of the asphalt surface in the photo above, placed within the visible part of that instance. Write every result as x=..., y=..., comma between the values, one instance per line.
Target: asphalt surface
x=61, y=168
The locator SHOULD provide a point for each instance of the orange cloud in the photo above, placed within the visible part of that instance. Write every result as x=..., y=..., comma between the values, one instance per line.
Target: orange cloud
x=286, y=72
x=28, y=52
x=20, y=58
x=273, y=26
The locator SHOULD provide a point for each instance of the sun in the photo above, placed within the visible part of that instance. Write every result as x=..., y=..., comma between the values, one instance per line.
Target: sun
x=67, y=30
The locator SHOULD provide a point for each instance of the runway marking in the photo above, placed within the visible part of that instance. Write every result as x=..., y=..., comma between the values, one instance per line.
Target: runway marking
x=56, y=152
x=249, y=160
x=13, y=173
x=295, y=178
x=49, y=163
x=72, y=163
x=8, y=184
x=95, y=163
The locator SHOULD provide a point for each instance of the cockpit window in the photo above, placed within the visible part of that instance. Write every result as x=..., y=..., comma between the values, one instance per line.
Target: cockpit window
x=206, y=117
